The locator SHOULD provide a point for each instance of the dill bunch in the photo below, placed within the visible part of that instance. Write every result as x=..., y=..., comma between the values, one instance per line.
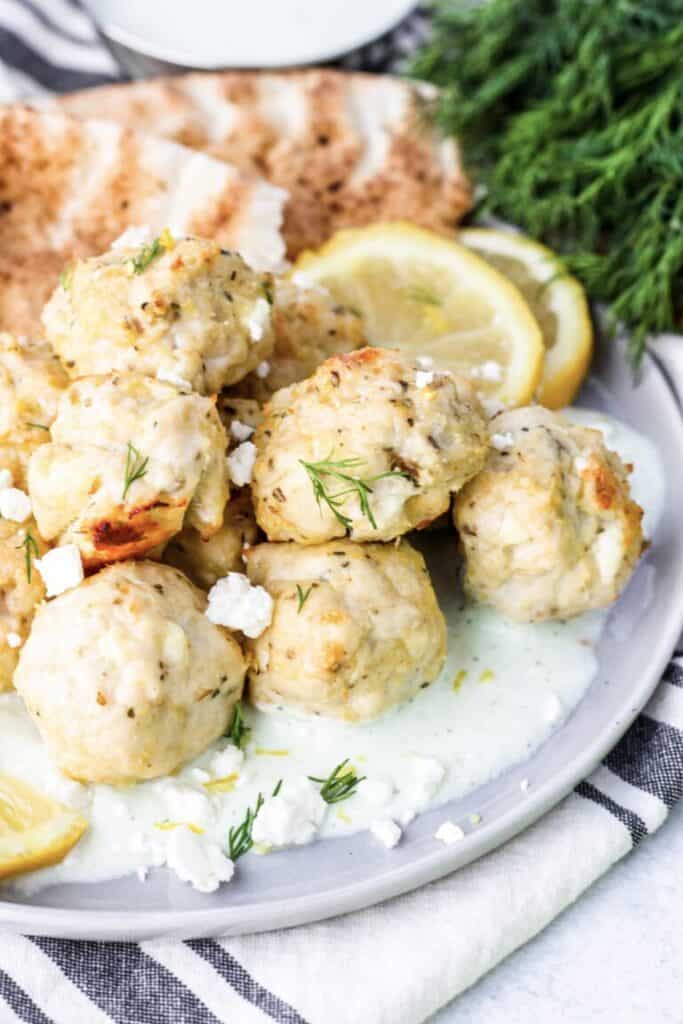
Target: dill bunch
x=570, y=113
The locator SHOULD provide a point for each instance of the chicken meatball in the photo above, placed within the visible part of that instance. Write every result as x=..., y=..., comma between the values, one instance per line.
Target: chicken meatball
x=131, y=459
x=126, y=678
x=548, y=528
x=31, y=382
x=370, y=446
x=21, y=589
x=355, y=628
x=206, y=561
x=308, y=327
x=186, y=311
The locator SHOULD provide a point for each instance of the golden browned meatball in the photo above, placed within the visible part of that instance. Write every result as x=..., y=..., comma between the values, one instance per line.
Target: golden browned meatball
x=206, y=561
x=186, y=311
x=131, y=460
x=126, y=678
x=370, y=446
x=21, y=589
x=31, y=382
x=355, y=628
x=308, y=327
x=548, y=528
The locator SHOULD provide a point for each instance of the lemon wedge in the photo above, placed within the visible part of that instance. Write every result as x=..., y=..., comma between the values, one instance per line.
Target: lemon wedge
x=34, y=830
x=556, y=299
x=431, y=296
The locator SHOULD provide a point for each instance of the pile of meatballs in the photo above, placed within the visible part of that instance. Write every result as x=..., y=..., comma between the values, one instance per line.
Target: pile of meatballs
x=237, y=473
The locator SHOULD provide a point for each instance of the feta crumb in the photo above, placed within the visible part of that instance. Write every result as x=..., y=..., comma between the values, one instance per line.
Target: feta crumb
x=524, y=785
x=375, y=791
x=608, y=550
x=424, y=362
x=199, y=776
x=133, y=238
x=503, y=442
x=387, y=831
x=61, y=569
x=423, y=378
x=6, y=479
x=173, y=378
x=235, y=603
x=580, y=463
x=14, y=504
x=448, y=833
x=241, y=463
x=258, y=319
x=241, y=431
x=263, y=369
x=196, y=860
x=226, y=762
x=185, y=803
x=428, y=775
x=292, y=817
x=490, y=370
x=13, y=640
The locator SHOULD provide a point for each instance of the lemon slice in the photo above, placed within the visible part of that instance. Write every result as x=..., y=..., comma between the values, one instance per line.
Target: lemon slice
x=558, y=303
x=430, y=296
x=34, y=830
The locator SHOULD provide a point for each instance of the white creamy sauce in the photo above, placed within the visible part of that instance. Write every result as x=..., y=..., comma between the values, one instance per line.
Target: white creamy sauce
x=504, y=690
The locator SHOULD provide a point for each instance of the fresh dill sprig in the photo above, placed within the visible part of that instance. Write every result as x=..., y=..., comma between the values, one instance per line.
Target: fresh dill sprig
x=240, y=839
x=570, y=115
x=239, y=731
x=136, y=468
x=303, y=596
x=361, y=487
x=340, y=784
x=31, y=550
x=66, y=277
x=147, y=254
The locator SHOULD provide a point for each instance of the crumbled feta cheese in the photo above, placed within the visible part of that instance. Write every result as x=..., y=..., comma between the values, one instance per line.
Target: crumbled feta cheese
x=133, y=238
x=235, y=603
x=490, y=370
x=424, y=362
x=428, y=775
x=227, y=761
x=448, y=833
x=292, y=817
x=423, y=378
x=6, y=479
x=13, y=640
x=524, y=785
x=196, y=860
x=503, y=442
x=241, y=431
x=608, y=550
x=185, y=803
x=14, y=504
x=387, y=831
x=258, y=319
x=199, y=776
x=61, y=569
x=375, y=791
x=580, y=463
x=262, y=370
x=241, y=463
x=173, y=378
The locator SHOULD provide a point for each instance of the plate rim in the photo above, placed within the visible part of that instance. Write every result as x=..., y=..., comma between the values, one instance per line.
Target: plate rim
x=290, y=911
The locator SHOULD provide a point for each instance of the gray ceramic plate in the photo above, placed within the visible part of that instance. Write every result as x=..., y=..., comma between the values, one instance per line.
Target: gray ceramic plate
x=336, y=876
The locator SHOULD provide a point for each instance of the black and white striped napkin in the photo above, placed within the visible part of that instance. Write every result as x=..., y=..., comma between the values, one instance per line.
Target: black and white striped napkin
x=401, y=960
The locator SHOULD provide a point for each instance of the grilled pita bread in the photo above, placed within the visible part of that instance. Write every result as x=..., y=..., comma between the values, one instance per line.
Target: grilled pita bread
x=69, y=188
x=349, y=148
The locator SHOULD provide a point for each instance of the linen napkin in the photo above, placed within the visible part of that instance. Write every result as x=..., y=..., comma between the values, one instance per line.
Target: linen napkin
x=401, y=961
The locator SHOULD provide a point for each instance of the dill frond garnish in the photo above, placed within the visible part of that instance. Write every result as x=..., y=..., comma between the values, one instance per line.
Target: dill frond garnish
x=302, y=596
x=66, y=277
x=361, y=487
x=240, y=839
x=570, y=115
x=147, y=254
x=239, y=731
x=31, y=550
x=136, y=468
x=340, y=784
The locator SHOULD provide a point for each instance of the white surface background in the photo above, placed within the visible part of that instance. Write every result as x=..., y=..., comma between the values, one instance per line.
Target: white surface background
x=615, y=957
